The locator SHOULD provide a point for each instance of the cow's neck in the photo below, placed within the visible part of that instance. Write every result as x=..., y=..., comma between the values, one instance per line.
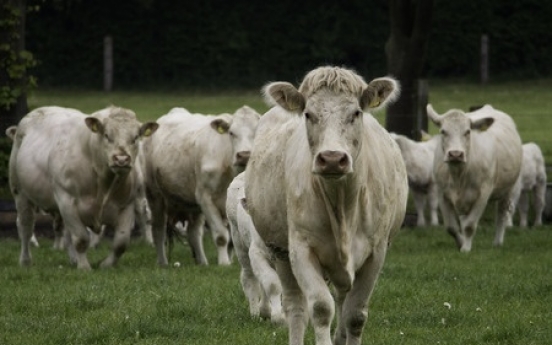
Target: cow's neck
x=337, y=196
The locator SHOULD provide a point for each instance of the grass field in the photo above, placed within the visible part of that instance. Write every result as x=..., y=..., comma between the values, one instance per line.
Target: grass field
x=496, y=296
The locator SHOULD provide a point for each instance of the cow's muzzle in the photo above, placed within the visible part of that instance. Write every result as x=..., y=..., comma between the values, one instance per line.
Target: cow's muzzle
x=242, y=158
x=333, y=164
x=455, y=156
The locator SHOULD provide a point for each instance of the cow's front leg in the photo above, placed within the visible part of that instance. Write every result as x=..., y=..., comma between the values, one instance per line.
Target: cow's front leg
x=469, y=223
x=121, y=239
x=309, y=275
x=451, y=222
x=294, y=303
x=77, y=237
x=354, y=308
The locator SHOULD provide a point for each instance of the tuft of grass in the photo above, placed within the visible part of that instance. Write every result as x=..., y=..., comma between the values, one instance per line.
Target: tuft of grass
x=496, y=295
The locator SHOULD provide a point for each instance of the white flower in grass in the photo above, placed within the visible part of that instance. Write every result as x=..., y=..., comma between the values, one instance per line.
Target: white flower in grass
x=447, y=305
x=478, y=309
x=177, y=264
x=401, y=333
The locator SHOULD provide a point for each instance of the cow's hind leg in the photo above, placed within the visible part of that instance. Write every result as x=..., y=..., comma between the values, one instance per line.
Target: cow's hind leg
x=523, y=208
x=502, y=210
x=196, y=224
x=25, y=227
x=539, y=195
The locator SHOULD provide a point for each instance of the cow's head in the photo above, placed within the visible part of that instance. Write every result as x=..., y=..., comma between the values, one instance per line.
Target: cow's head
x=455, y=128
x=332, y=101
x=119, y=133
x=241, y=128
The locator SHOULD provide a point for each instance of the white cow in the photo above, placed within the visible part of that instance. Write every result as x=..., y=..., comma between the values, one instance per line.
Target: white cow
x=258, y=278
x=81, y=170
x=477, y=160
x=326, y=188
x=190, y=163
x=532, y=179
x=418, y=158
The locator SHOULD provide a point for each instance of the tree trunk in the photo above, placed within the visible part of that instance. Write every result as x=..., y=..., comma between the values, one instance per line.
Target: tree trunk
x=406, y=52
x=10, y=115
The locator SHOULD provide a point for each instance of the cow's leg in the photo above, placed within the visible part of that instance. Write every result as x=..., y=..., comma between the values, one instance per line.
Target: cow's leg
x=59, y=238
x=502, y=209
x=249, y=282
x=419, y=203
x=25, y=227
x=354, y=308
x=143, y=219
x=539, y=197
x=268, y=278
x=196, y=224
x=217, y=226
x=433, y=204
x=294, y=303
x=451, y=222
x=309, y=275
x=78, y=233
x=96, y=238
x=159, y=228
x=523, y=208
x=121, y=238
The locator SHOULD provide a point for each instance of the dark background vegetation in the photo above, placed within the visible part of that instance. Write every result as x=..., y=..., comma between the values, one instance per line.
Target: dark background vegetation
x=239, y=44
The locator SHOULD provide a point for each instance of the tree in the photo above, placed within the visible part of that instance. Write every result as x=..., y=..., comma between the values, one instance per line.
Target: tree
x=15, y=62
x=406, y=53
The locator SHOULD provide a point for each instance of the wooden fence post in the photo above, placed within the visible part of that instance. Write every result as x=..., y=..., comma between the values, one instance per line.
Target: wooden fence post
x=484, y=59
x=108, y=63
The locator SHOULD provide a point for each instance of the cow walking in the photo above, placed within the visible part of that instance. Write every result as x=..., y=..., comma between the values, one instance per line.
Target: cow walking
x=80, y=169
x=326, y=188
x=477, y=160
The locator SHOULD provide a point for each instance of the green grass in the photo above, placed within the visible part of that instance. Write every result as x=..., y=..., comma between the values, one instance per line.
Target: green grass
x=497, y=296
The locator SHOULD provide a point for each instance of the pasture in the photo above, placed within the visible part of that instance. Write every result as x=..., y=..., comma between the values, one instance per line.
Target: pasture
x=496, y=296
x=428, y=292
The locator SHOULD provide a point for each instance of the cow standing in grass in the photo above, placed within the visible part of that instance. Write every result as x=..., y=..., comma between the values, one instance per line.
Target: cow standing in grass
x=189, y=164
x=418, y=158
x=326, y=188
x=532, y=180
x=80, y=169
x=477, y=160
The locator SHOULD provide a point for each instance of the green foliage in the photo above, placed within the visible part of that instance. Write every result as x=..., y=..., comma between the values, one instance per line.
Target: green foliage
x=5, y=149
x=496, y=296
x=15, y=63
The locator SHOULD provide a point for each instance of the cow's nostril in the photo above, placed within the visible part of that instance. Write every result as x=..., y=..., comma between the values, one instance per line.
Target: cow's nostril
x=332, y=162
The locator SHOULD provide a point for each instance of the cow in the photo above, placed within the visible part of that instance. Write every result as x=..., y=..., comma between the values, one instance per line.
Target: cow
x=259, y=280
x=326, y=188
x=477, y=160
x=418, y=158
x=80, y=169
x=532, y=180
x=189, y=164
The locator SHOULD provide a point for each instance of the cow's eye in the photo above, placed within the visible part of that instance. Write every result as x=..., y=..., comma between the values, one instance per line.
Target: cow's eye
x=308, y=116
x=231, y=133
x=443, y=132
x=108, y=138
x=356, y=115
x=467, y=133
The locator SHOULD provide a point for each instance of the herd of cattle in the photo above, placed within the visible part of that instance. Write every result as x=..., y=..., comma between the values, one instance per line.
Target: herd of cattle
x=312, y=191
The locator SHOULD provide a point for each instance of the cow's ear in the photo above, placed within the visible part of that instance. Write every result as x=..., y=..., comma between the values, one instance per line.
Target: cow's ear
x=11, y=131
x=94, y=124
x=220, y=125
x=148, y=129
x=482, y=124
x=379, y=93
x=285, y=95
x=424, y=136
